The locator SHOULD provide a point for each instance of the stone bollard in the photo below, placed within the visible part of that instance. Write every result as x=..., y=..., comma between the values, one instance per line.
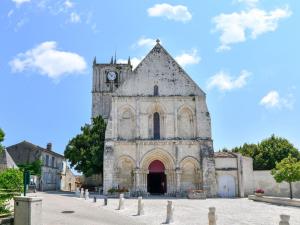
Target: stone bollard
x=77, y=192
x=121, y=202
x=82, y=193
x=140, y=206
x=28, y=211
x=212, y=219
x=284, y=219
x=86, y=194
x=95, y=199
x=170, y=210
x=105, y=200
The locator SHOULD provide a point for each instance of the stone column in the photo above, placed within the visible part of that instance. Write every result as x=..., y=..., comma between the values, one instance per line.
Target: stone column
x=137, y=179
x=178, y=179
x=108, y=167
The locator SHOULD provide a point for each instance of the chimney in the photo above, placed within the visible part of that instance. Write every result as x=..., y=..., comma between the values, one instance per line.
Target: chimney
x=49, y=146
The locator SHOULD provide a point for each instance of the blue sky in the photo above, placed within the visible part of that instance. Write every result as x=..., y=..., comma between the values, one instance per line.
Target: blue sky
x=243, y=53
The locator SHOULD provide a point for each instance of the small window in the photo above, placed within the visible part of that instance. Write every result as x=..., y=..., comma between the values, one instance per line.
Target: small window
x=47, y=160
x=155, y=90
x=53, y=161
x=156, y=126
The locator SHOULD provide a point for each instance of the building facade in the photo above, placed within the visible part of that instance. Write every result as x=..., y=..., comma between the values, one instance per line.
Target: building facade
x=54, y=170
x=158, y=136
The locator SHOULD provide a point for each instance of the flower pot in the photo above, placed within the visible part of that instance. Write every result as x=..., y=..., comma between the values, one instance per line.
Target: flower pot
x=259, y=194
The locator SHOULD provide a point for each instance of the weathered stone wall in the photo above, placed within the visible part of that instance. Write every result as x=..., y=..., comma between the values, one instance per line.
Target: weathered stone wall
x=264, y=180
x=68, y=180
x=247, y=175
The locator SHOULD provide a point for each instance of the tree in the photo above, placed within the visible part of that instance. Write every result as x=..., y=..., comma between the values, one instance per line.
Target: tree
x=35, y=167
x=85, y=150
x=287, y=170
x=11, y=184
x=268, y=152
x=2, y=134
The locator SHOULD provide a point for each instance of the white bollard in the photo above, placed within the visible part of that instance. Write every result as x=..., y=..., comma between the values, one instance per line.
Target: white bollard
x=212, y=219
x=121, y=202
x=86, y=194
x=77, y=192
x=170, y=210
x=140, y=207
x=82, y=193
x=284, y=220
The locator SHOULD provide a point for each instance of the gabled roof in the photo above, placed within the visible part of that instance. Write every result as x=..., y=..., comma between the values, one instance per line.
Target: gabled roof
x=159, y=68
x=225, y=155
x=36, y=147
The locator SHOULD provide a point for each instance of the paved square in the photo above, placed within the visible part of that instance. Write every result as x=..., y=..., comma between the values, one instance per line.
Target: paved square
x=187, y=212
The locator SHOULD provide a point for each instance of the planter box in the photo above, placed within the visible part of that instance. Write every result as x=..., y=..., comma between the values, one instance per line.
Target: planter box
x=196, y=194
x=276, y=200
x=7, y=220
x=259, y=194
x=117, y=195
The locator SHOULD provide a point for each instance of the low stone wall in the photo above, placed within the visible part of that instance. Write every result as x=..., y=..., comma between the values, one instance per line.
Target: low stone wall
x=276, y=200
x=7, y=220
x=264, y=180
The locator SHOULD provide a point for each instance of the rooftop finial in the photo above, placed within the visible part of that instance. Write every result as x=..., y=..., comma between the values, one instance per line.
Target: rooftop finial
x=112, y=60
x=95, y=61
x=115, y=61
x=157, y=41
x=129, y=61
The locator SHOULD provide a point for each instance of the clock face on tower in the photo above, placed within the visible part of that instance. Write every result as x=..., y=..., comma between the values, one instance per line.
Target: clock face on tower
x=111, y=75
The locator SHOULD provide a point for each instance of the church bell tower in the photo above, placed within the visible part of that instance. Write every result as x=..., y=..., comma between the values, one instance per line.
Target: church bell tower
x=107, y=77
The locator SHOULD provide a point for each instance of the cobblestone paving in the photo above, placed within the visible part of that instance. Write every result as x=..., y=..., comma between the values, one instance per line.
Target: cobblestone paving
x=187, y=212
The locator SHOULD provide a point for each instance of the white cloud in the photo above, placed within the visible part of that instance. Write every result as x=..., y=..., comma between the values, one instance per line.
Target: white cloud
x=188, y=58
x=74, y=18
x=225, y=82
x=273, y=100
x=20, y=2
x=251, y=3
x=134, y=61
x=171, y=12
x=48, y=60
x=237, y=27
x=68, y=4
x=146, y=42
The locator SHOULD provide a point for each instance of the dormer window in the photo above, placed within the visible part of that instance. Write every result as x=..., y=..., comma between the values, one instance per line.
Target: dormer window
x=155, y=90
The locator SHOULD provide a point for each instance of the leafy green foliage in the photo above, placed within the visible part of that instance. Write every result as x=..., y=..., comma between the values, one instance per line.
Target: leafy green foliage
x=2, y=134
x=35, y=167
x=287, y=170
x=11, y=184
x=85, y=150
x=268, y=152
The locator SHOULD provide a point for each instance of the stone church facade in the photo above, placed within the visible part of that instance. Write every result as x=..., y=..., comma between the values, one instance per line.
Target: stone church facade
x=158, y=137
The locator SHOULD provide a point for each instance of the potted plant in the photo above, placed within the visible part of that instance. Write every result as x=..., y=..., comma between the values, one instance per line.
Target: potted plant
x=259, y=192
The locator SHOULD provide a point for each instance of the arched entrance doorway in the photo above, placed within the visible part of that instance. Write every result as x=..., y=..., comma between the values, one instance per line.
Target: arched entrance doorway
x=156, y=179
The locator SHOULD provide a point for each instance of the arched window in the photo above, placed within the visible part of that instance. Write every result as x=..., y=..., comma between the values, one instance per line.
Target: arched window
x=155, y=90
x=156, y=126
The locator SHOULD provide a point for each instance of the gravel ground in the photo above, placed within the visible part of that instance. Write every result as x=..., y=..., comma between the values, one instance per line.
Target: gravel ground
x=187, y=212
x=194, y=212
